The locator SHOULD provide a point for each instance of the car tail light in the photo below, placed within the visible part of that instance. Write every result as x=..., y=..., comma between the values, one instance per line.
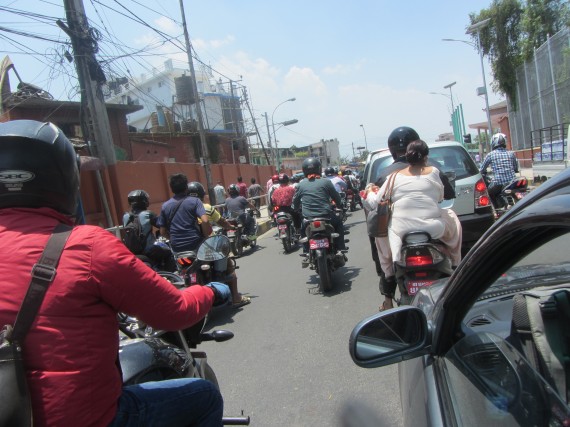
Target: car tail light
x=481, y=195
x=418, y=260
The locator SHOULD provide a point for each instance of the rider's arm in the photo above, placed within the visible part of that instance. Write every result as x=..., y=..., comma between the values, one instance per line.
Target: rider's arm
x=205, y=225
x=515, y=162
x=485, y=164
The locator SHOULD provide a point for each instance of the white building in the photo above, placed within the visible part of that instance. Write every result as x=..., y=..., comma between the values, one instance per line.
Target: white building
x=168, y=105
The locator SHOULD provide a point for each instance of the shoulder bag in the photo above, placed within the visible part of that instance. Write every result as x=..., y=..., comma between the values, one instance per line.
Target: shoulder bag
x=16, y=406
x=378, y=219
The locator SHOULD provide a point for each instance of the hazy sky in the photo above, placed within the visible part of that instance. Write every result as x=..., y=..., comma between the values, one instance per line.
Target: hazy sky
x=370, y=62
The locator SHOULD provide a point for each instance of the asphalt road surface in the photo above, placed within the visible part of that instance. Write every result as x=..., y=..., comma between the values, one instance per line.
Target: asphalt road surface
x=288, y=364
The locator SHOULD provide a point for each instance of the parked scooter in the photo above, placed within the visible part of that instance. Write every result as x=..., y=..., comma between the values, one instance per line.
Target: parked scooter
x=423, y=260
x=286, y=229
x=238, y=240
x=323, y=257
x=146, y=354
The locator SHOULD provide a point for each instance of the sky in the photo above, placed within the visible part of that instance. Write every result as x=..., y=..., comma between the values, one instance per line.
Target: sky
x=368, y=62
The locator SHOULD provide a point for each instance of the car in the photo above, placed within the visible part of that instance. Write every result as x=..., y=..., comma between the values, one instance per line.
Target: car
x=472, y=204
x=489, y=345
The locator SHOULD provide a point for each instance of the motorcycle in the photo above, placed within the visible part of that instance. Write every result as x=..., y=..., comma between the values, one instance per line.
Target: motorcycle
x=146, y=354
x=341, y=210
x=350, y=200
x=210, y=263
x=238, y=240
x=323, y=257
x=423, y=260
x=286, y=229
x=511, y=193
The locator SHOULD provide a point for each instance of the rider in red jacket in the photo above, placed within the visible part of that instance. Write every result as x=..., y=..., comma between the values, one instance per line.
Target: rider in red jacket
x=71, y=350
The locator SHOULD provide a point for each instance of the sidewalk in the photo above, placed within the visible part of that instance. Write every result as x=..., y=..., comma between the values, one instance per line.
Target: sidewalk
x=264, y=223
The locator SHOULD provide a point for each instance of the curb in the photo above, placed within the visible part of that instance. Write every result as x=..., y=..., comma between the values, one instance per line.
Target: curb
x=263, y=226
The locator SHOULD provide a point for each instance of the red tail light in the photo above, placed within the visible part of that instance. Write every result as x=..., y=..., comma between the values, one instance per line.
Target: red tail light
x=317, y=224
x=275, y=208
x=417, y=261
x=480, y=186
x=481, y=195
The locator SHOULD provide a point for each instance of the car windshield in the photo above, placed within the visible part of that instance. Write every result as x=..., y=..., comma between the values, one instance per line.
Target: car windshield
x=454, y=159
x=450, y=159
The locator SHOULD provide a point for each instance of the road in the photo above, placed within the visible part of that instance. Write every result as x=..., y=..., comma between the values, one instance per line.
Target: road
x=288, y=364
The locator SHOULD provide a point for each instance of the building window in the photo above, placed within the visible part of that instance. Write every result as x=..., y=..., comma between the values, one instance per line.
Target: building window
x=148, y=89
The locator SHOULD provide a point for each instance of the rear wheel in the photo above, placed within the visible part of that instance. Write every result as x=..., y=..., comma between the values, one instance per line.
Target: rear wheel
x=287, y=241
x=325, y=279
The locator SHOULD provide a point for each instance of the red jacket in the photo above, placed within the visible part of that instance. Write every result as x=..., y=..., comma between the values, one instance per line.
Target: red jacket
x=71, y=349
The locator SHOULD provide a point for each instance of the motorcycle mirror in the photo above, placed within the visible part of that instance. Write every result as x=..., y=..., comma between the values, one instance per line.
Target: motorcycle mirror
x=214, y=248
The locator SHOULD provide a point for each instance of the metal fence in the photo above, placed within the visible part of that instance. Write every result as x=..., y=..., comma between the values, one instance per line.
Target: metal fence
x=543, y=95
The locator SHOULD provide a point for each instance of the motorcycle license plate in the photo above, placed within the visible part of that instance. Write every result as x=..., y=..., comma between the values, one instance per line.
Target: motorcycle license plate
x=192, y=278
x=520, y=195
x=414, y=285
x=319, y=243
x=231, y=233
x=282, y=226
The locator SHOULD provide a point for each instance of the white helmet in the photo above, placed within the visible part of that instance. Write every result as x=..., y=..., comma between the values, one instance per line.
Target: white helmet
x=498, y=140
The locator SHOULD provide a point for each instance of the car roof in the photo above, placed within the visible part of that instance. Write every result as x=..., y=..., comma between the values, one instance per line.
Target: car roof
x=539, y=217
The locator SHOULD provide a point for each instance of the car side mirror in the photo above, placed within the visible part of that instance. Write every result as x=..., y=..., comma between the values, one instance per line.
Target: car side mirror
x=389, y=337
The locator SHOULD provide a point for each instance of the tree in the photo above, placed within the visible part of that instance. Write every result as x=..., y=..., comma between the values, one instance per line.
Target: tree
x=515, y=30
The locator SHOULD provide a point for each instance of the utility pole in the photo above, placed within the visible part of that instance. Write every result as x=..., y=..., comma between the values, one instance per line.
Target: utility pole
x=246, y=100
x=204, y=147
x=94, y=120
x=269, y=136
x=353, y=153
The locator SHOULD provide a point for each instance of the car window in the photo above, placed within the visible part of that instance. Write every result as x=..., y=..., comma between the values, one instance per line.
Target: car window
x=493, y=371
x=454, y=159
x=379, y=164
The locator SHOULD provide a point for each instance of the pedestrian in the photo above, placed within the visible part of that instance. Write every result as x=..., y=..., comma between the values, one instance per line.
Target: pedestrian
x=220, y=194
x=242, y=187
x=72, y=348
x=254, y=191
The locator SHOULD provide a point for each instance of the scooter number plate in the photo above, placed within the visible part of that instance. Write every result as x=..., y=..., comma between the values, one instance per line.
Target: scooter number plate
x=520, y=195
x=282, y=226
x=319, y=243
x=231, y=233
x=413, y=286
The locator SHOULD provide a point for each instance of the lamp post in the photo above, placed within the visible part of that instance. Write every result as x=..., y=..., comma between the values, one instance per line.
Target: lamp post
x=273, y=126
x=365, y=140
x=451, y=96
x=470, y=30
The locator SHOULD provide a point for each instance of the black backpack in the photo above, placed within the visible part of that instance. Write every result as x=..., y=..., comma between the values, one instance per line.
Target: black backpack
x=133, y=236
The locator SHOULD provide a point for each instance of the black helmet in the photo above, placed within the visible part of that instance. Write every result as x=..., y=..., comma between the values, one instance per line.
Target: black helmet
x=38, y=167
x=400, y=138
x=312, y=165
x=196, y=189
x=283, y=178
x=233, y=190
x=138, y=199
x=329, y=171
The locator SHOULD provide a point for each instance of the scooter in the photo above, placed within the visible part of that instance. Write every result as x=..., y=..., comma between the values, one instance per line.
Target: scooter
x=422, y=261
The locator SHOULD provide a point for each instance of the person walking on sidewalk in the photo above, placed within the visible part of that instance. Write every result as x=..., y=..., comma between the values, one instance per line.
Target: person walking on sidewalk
x=254, y=191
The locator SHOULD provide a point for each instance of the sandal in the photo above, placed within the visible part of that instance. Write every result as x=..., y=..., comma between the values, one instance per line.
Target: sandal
x=385, y=306
x=244, y=301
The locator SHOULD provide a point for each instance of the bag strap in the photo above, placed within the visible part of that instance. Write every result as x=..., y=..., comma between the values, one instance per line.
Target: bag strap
x=171, y=217
x=390, y=186
x=43, y=272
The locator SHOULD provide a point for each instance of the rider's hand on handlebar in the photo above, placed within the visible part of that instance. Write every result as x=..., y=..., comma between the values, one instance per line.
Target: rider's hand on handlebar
x=222, y=294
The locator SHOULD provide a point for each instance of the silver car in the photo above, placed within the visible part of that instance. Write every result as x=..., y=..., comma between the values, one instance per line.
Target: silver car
x=472, y=204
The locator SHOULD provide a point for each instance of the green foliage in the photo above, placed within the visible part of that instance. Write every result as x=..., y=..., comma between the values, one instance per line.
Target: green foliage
x=515, y=30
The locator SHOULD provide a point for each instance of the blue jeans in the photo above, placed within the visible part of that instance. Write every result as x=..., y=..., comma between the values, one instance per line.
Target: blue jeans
x=172, y=403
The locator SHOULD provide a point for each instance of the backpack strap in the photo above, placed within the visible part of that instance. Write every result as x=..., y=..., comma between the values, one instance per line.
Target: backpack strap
x=43, y=273
x=173, y=213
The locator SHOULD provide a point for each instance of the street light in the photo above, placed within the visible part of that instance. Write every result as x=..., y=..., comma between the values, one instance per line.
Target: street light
x=365, y=140
x=470, y=30
x=273, y=126
x=450, y=95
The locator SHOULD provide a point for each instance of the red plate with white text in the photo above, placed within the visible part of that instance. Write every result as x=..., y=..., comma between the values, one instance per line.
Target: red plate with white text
x=414, y=285
x=282, y=226
x=319, y=243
